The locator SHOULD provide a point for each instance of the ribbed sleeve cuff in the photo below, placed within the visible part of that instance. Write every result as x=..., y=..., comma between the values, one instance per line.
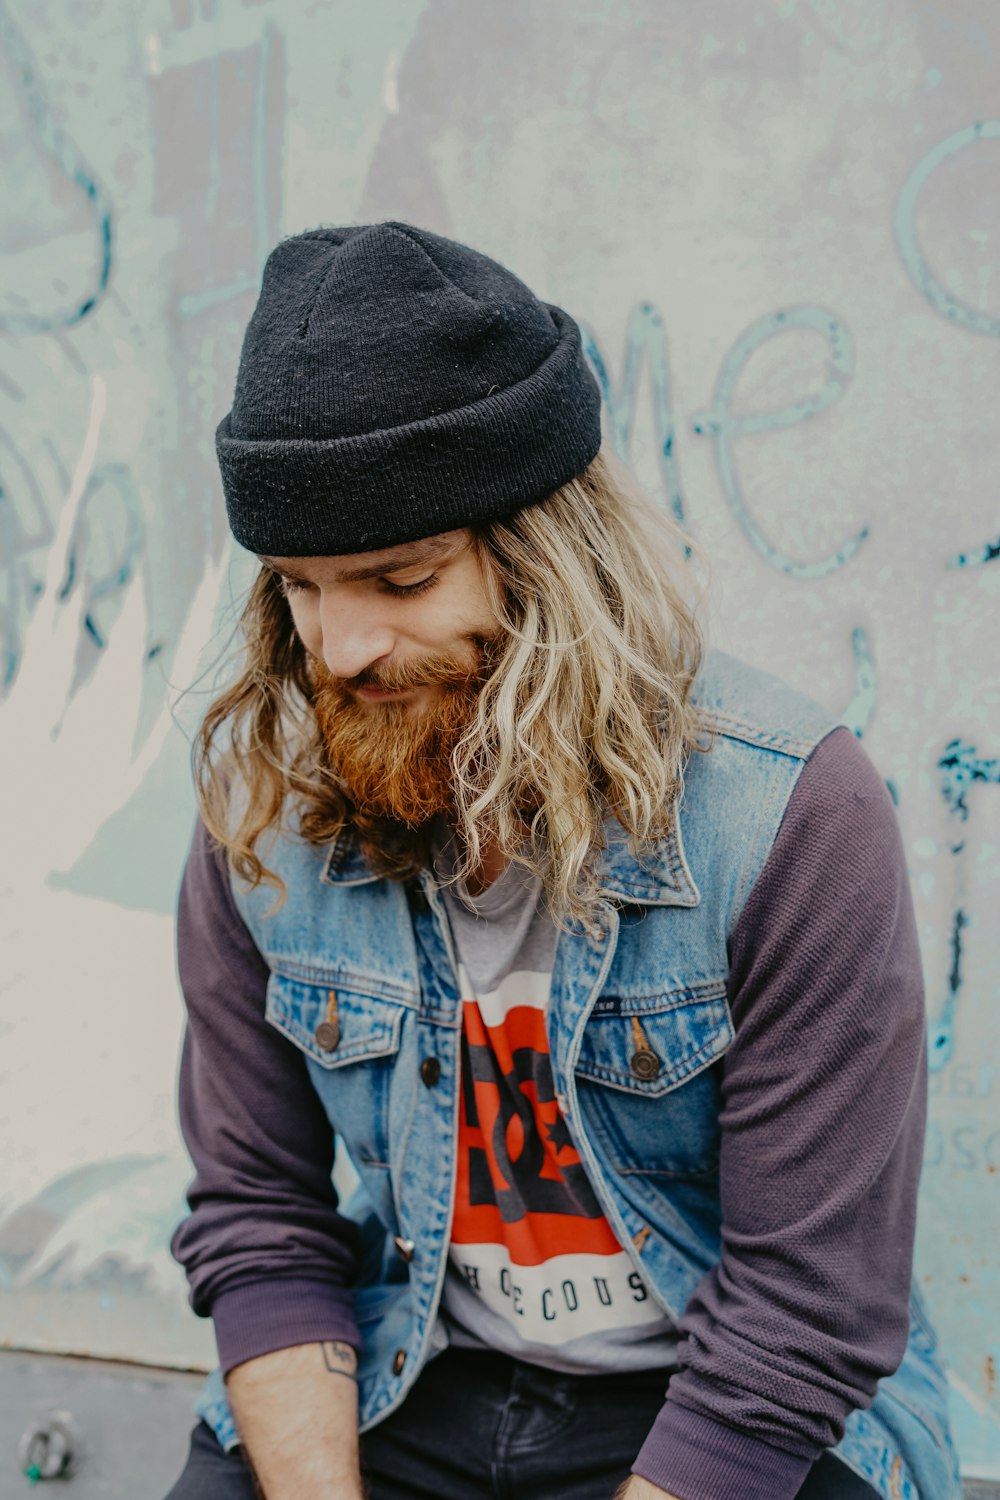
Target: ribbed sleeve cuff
x=694, y=1458
x=261, y=1316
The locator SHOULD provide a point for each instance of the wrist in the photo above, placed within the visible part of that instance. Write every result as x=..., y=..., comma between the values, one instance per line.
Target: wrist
x=637, y=1488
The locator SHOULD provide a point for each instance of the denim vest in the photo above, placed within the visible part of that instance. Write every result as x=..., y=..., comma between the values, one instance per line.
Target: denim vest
x=391, y=1086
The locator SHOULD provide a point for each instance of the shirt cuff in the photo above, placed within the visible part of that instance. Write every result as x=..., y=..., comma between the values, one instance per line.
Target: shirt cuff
x=258, y=1317
x=695, y=1458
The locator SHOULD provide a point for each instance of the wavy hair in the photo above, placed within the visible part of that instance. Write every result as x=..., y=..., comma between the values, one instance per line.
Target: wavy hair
x=586, y=713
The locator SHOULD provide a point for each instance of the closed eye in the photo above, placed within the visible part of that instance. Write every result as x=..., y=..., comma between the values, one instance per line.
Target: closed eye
x=409, y=589
x=397, y=590
x=292, y=585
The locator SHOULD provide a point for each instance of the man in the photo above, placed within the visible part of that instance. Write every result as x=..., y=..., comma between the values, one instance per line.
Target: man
x=594, y=952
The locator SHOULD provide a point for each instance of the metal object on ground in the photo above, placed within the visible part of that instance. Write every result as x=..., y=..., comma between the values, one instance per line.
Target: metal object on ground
x=50, y=1447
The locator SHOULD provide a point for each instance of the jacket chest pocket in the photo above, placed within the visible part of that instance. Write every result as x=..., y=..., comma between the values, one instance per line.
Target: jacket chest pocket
x=646, y=1079
x=350, y=1037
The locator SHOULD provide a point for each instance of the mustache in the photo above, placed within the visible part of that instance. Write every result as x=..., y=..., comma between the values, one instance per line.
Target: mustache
x=449, y=669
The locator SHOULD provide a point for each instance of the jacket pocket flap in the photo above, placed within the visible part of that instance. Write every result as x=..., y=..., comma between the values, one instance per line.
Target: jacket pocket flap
x=332, y=1024
x=649, y=1044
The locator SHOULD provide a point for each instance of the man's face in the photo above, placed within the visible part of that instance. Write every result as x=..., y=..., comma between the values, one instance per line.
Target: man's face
x=399, y=640
x=380, y=621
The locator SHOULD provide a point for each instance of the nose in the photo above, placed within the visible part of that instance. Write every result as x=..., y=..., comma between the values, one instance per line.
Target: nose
x=356, y=633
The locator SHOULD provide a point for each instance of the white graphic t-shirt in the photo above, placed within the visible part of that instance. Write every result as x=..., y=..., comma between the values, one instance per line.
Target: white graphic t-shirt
x=534, y=1270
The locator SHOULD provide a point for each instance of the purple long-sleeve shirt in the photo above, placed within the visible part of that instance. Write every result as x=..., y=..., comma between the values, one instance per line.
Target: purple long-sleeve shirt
x=822, y=1119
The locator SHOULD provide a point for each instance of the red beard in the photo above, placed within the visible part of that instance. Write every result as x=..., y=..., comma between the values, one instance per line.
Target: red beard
x=396, y=760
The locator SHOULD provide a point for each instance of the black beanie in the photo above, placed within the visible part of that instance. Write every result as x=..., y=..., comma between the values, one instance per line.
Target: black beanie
x=394, y=384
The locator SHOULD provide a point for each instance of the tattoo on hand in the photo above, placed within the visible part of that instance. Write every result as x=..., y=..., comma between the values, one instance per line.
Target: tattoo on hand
x=340, y=1359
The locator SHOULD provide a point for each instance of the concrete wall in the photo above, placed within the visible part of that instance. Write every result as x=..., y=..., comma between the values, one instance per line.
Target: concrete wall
x=778, y=223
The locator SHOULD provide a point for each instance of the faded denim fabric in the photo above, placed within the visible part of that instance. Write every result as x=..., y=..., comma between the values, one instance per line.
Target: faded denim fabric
x=389, y=959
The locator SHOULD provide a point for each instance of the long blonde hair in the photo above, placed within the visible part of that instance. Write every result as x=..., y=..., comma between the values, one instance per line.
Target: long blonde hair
x=586, y=712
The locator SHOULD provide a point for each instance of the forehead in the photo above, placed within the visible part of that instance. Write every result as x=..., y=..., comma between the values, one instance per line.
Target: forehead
x=353, y=565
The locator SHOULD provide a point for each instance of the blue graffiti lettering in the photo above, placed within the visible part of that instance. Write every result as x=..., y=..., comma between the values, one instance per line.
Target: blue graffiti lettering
x=123, y=552
x=861, y=710
x=644, y=335
x=930, y=286
x=920, y=272
x=960, y=767
x=985, y=554
x=73, y=166
x=24, y=525
x=723, y=426
x=103, y=553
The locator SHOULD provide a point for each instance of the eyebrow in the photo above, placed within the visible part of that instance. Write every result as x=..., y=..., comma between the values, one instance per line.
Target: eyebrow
x=408, y=555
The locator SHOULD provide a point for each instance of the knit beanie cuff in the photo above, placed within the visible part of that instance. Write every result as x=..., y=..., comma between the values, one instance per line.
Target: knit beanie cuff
x=467, y=466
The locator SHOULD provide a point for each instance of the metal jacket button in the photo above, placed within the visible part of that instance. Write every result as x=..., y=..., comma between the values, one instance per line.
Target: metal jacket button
x=398, y=1361
x=645, y=1064
x=430, y=1071
x=405, y=1247
x=327, y=1033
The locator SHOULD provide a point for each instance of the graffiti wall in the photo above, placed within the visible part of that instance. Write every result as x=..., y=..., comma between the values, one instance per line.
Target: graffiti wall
x=778, y=225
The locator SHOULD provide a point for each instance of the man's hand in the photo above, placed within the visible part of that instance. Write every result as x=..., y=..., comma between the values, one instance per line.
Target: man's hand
x=635, y=1488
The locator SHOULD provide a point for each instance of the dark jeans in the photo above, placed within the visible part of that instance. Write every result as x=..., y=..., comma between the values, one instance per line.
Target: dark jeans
x=480, y=1426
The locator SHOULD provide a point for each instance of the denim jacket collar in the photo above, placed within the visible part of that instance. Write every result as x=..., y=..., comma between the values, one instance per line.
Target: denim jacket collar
x=346, y=865
x=661, y=876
